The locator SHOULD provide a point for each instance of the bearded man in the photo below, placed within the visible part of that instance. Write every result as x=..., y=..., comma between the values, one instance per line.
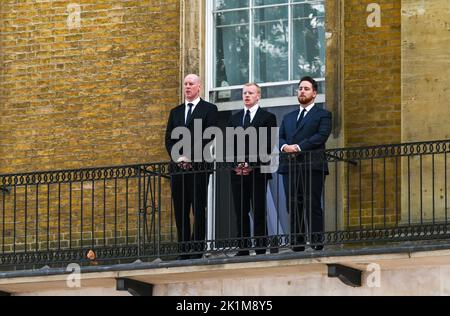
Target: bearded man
x=303, y=136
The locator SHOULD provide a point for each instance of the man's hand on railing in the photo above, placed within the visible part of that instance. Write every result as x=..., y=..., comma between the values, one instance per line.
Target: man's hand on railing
x=291, y=149
x=243, y=169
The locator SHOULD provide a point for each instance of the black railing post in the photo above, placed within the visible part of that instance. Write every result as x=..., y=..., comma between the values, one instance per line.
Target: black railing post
x=140, y=194
x=154, y=231
x=158, y=246
x=146, y=185
x=309, y=176
x=446, y=187
x=336, y=195
x=3, y=220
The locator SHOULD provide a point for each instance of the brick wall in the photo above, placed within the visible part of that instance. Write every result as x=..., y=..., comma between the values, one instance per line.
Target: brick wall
x=88, y=92
x=87, y=83
x=372, y=111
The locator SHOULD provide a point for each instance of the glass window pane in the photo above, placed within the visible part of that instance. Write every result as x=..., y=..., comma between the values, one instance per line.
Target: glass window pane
x=232, y=18
x=230, y=4
x=269, y=2
x=271, y=45
x=226, y=96
x=305, y=10
x=308, y=56
x=288, y=90
x=232, y=49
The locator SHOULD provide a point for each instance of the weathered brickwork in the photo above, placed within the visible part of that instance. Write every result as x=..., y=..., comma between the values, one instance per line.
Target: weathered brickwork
x=84, y=83
x=372, y=111
x=372, y=71
x=89, y=92
x=96, y=89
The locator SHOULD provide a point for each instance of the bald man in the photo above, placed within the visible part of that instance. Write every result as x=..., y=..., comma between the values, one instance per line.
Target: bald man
x=188, y=182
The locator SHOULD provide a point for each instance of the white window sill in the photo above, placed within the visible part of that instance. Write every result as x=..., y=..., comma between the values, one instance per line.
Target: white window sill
x=265, y=103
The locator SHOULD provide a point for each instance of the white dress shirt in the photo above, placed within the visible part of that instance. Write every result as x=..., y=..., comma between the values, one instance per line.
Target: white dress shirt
x=308, y=109
x=253, y=111
x=186, y=111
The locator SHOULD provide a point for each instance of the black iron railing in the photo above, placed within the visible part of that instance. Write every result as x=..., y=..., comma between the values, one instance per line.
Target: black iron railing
x=381, y=194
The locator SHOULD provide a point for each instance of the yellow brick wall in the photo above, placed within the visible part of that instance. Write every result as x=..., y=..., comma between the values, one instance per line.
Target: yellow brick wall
x=99, y=93
x=89, y=95
x=82, y=93
x=372, y=71
x=372, y=111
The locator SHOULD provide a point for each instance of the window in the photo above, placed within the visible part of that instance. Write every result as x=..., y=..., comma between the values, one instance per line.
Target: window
x=287, y=43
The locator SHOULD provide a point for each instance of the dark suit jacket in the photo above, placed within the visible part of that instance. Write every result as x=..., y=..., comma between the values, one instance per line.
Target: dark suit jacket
x=311, y=135
x=205, y=111
x=262, y=119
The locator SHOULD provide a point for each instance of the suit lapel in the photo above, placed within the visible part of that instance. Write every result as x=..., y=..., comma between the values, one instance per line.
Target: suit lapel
x=293, y=122
x=239, y=119
x=307, y=118
x=195, y=113
x=240, y=116
x=181, y=116
x=257, y=119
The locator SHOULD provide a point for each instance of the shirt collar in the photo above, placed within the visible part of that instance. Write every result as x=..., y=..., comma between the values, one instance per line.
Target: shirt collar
x=195, y=102
x=308, y=109
x=253, y=109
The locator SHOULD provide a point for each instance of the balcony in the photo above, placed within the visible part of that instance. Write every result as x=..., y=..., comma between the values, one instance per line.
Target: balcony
x=377, y=201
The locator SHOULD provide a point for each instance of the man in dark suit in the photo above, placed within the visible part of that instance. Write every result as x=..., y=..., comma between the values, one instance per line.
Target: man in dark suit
x=303, y=135
x=189, y=180
x=248, y=180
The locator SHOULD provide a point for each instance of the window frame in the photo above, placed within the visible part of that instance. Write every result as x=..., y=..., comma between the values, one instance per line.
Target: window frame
x=210, y=58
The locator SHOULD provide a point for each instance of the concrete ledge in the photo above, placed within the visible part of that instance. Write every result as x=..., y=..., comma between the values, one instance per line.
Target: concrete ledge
x=102, y=280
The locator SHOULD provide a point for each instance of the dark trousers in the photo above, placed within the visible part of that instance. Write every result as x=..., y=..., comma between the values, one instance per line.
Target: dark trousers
x=190, y=191
x=250, y=192
x=304, y=190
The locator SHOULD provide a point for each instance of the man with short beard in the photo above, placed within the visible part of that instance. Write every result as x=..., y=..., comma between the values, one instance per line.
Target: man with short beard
x=303, y=136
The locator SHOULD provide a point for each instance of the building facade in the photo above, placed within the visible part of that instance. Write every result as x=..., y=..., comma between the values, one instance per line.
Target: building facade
x=90, y=84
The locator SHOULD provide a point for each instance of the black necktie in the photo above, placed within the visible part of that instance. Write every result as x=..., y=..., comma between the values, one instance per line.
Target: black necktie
x=247, y=120
x=302, y=116
x=188, y=118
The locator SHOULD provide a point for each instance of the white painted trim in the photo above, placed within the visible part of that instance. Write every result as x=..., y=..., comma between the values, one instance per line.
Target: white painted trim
x=266, y=103
x=270, y=5
x=290, y=43
x=182, y=46
x=210, y=60
x=209, y=47
x=263, y=85
x=250, y=42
